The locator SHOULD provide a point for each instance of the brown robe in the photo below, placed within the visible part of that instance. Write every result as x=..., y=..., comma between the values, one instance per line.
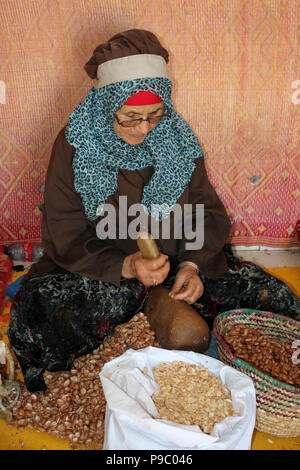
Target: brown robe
x=70, y=239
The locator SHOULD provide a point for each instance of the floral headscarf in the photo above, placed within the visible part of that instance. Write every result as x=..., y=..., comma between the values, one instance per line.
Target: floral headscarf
x=170, y=148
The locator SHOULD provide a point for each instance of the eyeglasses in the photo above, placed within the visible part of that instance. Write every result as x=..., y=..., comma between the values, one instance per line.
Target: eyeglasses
x=136, y=122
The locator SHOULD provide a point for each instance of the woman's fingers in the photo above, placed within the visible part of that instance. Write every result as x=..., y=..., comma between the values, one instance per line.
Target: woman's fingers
x=187, y=286
x=152, y=272
x=190, y=294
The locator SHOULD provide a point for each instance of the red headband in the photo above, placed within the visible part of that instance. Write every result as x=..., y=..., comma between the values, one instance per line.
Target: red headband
x=143, y=98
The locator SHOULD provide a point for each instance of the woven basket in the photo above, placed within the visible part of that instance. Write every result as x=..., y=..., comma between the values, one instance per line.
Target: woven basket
x=278, y=404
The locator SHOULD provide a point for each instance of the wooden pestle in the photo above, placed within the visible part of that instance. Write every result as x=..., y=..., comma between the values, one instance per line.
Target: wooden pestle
x=177, y=325
x=147, y=245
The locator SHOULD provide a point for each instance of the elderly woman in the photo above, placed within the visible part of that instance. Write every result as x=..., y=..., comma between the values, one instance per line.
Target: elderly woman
x=125, y=140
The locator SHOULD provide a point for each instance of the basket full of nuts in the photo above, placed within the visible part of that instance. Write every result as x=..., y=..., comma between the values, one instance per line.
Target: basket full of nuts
x=263, y=345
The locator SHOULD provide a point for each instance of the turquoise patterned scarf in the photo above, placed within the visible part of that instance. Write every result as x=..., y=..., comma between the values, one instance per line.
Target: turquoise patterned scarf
x=170, y=148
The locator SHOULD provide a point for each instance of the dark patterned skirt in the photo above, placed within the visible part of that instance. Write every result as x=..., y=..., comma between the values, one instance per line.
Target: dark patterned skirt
x=59, y=316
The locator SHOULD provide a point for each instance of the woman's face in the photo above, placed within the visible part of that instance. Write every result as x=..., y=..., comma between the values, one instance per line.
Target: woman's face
x=136, y=135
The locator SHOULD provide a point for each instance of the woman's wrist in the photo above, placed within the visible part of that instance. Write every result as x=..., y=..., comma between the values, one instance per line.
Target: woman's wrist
x=189, y=263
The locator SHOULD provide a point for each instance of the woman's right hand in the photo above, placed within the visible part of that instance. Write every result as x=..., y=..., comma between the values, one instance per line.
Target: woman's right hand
x=150, y=272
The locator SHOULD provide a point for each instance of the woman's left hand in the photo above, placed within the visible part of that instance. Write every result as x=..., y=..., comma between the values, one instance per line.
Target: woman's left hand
x=187, y=286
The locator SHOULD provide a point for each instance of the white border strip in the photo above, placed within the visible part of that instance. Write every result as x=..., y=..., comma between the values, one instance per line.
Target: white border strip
x=265, y=248
x=278, y=258
x=130, y=68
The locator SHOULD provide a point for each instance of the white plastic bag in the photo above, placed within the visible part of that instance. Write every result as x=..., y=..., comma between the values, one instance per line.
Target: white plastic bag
x=129, y=422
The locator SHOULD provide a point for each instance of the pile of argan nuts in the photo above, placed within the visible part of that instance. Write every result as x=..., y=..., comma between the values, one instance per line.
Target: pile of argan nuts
x=266, y=354
x=73, y=406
